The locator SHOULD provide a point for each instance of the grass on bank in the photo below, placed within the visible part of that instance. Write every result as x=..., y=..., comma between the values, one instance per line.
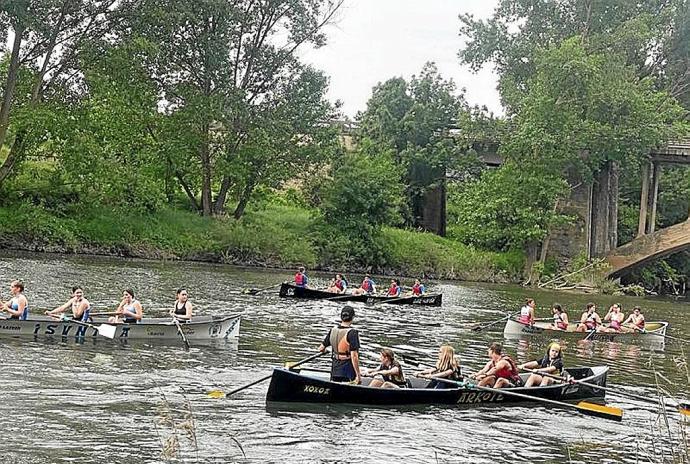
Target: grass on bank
x=278, y=235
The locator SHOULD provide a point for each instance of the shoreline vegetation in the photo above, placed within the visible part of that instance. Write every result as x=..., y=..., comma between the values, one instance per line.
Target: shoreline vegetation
x=277, y=236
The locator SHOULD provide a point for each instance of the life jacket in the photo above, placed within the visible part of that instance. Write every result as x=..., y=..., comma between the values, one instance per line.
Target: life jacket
x=559, y=322
x=417, y=289
x=398, y=379
x=640, y=322
x=130, y=308
x=510, y=373
x=615, y=324
x=546, y=361
x=340, y=285
x=591, y=321
x=525, y=315
x=366, y=285
x=339, y=345
x=394, y=290
x=300, y=279
x=24, y=315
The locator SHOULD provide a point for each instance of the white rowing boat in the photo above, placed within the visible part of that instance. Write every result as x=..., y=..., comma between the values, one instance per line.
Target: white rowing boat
x=653, y=331
x=200, y=328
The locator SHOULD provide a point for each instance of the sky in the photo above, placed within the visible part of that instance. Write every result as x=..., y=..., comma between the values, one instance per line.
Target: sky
x=375, y=40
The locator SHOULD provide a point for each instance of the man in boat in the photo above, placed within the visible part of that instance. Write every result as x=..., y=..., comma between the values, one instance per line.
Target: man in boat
x=551, y=363
x=501, y=370
x=301, y=278
x=395, y=289
x=418, y=289
x=80, y=306
x=367, y=287
x=344, y=342
x=615, y=319
x=590, y=320
x=18, y=305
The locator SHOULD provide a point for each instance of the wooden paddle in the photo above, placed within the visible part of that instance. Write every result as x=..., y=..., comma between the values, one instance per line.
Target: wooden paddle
x=590, y=409
x=482, y=327
x=106, y=330
x=254, y=291
x=181, y=332
x=222, y=394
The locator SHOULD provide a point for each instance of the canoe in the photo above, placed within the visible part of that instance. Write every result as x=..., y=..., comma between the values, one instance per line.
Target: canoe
x=288, y=290
x=655, y=331
x=295, y=387
x=200, y=328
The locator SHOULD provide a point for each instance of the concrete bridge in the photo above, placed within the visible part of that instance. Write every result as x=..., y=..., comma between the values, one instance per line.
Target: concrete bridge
x=650, y=244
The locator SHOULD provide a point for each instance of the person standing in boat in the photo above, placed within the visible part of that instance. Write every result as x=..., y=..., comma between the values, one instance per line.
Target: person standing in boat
x=551, y=363
x=80, y=306
x=418, y=289
x=182, y=311
x=129, y=311
x=527, y=312
x=344, y=342
x=447, y=367
x=615, y=318
x=18, y=305
x=501, y=370
x=301, y=279
x=390, y=371
x=395, y=289
x=636, y=320
x=560, y=318
x=590, y=320
x=367, y=287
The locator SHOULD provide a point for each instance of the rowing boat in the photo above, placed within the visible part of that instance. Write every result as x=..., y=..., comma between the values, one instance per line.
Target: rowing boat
x=288, y=290
x=200, y=328
x=654, y=331
x=297, y=387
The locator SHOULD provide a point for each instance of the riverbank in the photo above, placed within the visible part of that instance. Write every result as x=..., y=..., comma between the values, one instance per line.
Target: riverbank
x=277, y=236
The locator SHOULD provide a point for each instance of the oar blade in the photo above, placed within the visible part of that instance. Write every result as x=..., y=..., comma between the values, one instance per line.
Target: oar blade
x=216, y=394
x=107, y=330
x=599, y=410
x=684, y=409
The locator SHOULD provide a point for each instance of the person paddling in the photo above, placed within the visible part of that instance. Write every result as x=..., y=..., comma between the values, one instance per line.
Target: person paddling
x=301, y=279
x=551, y=363
x=560, y=318
x=418, y=289
x=395, y=289
x=590, y=320
x=129, y=311
x=390, y=371
x=367, y=287
x=182, y=310
x=636, y=320
x=527, y=312
x=338, y=285
x=501, y=370
x=615, y=318
x=344, y=342
x=447, y=367
x=18, y=305
x=80, y=306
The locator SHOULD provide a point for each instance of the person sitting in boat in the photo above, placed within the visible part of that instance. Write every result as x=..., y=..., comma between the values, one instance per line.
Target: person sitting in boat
x=301, y=278
x=338, y=285
x=447, y=367
x=182, y=310
x=635, y=321
x=80, y=306
x=527, y=312
x=395, y=289
x=615, y=318
x=367, y=287
x=344, y=342
x=18, y=305
x=551, y=363
x=590, y=320
x=129, y=311
x=560, y=318
x=418, y=289
x=390, y=371
x=501, y=370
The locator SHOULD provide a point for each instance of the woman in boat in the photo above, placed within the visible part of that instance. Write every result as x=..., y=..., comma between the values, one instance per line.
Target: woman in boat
x=590, y=320
x=447, y=367
x=560, y=318
x=551, y=363
x=182, y=311
x=501, y=370
x=390, y=371
x=418, y=289
x=367, y=287
x=301, y=278
x=338, y=285
x=80, y=306
x=18, y=305
x=615, y=318
x=527, y=312
x=395, y=289
x=129, y=311
x=635, y=321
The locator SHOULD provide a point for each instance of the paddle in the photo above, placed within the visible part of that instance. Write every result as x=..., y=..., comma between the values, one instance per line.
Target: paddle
x=482, y=327
x=590, y=409
x=254, y=291
x=222, y=394
x=644, y=331
x=106, y=330
x=181, y=332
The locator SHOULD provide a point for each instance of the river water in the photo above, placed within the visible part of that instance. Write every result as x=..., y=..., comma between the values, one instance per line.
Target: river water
x=102, y=401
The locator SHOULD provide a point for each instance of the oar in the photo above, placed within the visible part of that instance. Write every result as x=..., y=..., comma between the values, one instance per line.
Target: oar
x=590, y=409
x=254, y=291
x=482, y=327
x=106, y=330
x=181, y=332
x=661, y=335
x=222, y=394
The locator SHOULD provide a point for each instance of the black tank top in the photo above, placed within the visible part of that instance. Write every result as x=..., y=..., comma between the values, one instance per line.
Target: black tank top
x=181, y=311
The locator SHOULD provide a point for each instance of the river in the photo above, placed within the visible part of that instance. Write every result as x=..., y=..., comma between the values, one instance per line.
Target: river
x=102, y=401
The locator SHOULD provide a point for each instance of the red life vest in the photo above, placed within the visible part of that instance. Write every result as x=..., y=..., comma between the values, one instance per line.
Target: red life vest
x=299, y=279
x=366, y=285
x=340, y=284
x=416, y=289
x=510, y=373
x=393, y=290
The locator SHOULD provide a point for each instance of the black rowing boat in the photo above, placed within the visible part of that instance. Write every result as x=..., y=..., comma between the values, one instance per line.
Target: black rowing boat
x=288, y=290
x=294, y=387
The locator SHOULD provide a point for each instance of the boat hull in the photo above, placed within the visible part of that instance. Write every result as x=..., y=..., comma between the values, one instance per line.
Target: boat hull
x=655, y=331
x=200, y=328
x=292, y=291
x=293, y=387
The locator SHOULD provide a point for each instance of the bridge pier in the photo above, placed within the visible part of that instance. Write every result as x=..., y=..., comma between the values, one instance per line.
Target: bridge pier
x=651, y=172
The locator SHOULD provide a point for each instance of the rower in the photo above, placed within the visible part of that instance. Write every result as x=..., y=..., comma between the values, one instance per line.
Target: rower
x=18, y=305
x=636, y=320
x=590, y=320
x=338, y=285
x=418, y=289
x=501, y=370
x=344, y=342
x=395, y=289
x=551, y=363
x=615, y=318
x=80, y=306
x=301, y=278
x=367, y=287
x=390, y=371
x=527, y=312
x=182, y=311
x=560, y=318
x=129, y=311
x=447, y=367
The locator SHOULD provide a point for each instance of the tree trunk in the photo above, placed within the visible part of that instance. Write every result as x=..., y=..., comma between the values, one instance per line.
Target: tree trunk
x=15, y=155
x=222, y=195
x=244, y=198
x=206, y=184
x=10, y=84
